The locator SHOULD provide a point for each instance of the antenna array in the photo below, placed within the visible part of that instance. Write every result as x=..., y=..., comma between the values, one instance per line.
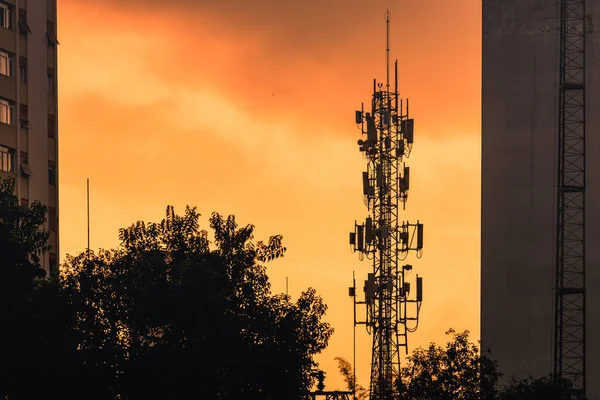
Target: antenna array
x=383, y=238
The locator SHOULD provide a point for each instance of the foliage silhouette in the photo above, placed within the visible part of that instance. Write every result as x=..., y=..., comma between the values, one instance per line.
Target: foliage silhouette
x=21, y=243
x=37, y=344
x=168, y=315
x=459, y=371
x=345, y=368
x=454, y=372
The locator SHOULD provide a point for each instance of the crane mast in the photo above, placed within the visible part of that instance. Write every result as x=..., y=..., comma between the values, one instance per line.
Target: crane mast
x=570, y=298
x=383, y=238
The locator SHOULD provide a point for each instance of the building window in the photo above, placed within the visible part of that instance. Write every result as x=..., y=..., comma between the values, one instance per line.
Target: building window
x=51, y=80
x=52, y=218
x=24, y=202
x=23, y=25
x=7, y=159
x=51, y=173
x=6, y=63
x=6, y=111
x=23, y=69
x=25, y=168
x=5, y=16
x=51, y=125
x=52, y=40
x=24, y=116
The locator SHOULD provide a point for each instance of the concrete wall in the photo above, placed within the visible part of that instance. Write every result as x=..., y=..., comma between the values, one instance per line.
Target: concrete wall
x=519, y=134
x=38, y=102
x=42, y=149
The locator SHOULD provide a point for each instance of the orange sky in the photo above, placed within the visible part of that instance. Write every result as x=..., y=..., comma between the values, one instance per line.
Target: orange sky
x=247, y=108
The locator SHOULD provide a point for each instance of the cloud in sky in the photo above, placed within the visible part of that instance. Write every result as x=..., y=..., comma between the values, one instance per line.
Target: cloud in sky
x=282, y=59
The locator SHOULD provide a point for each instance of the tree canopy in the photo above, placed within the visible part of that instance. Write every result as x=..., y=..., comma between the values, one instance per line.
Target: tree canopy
x=173, y=312
x=456, y=371
x=169, y=313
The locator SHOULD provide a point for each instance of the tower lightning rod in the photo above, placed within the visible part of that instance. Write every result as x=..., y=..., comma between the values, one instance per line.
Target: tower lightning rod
x=388, y=17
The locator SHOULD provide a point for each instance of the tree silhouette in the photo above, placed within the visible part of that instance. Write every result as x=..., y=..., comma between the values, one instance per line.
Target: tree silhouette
x=345, y=368
x=457, y=371
x=37, y=345
x=22, y=241
x=170, y=314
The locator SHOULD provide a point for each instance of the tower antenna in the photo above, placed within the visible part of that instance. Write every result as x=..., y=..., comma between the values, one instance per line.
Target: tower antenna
x=388, y=18
x=391, y=312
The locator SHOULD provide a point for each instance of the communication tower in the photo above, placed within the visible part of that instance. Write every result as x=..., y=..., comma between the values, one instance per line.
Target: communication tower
x=383, y=238
x=570, y=314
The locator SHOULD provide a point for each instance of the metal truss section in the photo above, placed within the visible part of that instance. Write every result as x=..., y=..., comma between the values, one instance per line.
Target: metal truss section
x=570, y=298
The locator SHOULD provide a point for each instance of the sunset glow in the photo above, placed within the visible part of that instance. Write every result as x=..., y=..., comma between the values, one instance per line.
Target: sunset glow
x=249, y=110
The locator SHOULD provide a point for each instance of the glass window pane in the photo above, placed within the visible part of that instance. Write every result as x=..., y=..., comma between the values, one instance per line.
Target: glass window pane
x=4, y=69
x=4, y=16
x=3, y=113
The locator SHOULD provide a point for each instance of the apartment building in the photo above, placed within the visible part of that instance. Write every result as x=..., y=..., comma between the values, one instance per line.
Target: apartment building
x=28, y=107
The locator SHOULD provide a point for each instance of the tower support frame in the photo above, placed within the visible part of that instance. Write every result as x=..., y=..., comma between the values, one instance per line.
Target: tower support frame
x=570, y=296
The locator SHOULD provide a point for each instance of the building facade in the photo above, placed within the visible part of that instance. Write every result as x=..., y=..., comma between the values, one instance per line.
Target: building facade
x=28, y=107
x=520, y=71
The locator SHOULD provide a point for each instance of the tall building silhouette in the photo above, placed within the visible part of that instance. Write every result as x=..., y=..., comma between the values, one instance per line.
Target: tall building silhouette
x=520, y=126
x=29, y=107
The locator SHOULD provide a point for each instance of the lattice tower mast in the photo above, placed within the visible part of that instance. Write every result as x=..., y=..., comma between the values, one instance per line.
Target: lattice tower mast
x=382, y=238
x=570, y=299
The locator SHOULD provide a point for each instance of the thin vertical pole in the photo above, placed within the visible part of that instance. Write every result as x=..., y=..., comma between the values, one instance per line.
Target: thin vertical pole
x=387, y=50
x=354, y=338
x=88, y=216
